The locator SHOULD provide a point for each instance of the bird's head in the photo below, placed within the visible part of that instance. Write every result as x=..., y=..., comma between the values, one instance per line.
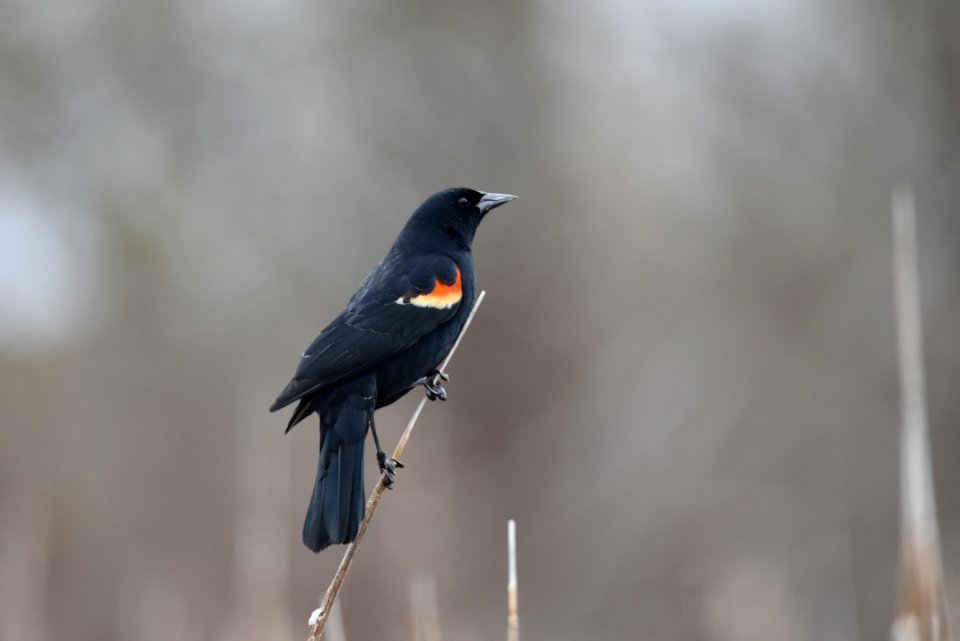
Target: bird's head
x=456, y=212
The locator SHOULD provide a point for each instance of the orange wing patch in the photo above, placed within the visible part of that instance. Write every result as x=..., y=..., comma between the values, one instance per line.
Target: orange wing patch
x=442, y=296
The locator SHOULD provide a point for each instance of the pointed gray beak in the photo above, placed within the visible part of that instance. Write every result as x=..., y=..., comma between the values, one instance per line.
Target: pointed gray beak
x=490, y=201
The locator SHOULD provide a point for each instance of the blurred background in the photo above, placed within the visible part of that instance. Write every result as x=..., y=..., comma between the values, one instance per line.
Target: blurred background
x=682, y=384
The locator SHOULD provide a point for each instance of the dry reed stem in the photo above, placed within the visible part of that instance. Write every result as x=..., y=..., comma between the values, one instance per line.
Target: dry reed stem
x=513, y=614
x=318, y=620
x=921, y=608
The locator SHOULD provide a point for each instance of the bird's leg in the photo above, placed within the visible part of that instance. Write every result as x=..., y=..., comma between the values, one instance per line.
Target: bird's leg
x=432, y=382
x=388, y=465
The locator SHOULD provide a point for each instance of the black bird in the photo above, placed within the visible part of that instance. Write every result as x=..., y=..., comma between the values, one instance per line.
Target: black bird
x=397, y=328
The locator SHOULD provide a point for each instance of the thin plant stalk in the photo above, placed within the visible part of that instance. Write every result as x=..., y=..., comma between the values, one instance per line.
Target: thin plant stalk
x=513, y=614
x=921, y=606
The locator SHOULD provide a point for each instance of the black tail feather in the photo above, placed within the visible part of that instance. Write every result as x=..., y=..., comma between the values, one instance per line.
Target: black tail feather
x=337, y=505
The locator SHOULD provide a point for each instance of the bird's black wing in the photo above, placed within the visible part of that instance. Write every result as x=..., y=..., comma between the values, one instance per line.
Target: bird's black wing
x=399, y=303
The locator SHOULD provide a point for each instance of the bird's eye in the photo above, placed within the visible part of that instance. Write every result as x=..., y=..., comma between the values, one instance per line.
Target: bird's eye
x=463, y=202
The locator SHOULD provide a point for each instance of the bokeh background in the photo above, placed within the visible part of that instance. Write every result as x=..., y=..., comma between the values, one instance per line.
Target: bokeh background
x=682, y=384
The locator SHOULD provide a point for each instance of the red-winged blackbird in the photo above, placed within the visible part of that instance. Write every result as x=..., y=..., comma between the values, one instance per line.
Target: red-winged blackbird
x=395, y=331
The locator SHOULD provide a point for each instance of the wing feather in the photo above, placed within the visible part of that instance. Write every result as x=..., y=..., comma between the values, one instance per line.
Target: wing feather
x=394, y=308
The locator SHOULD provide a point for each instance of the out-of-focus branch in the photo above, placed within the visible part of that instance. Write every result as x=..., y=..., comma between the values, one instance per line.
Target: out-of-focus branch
x=261, y=548
x=424, y=609
x=24, y=561
x=318, y=620
x=921, y=609
x=513, y=614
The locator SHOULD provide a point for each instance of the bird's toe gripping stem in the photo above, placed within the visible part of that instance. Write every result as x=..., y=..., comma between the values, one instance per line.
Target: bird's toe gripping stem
x=389, y=467
x=433, y=383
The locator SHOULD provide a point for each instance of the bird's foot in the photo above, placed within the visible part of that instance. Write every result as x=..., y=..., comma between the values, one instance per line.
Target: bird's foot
x=433, y=383
x=389, y=467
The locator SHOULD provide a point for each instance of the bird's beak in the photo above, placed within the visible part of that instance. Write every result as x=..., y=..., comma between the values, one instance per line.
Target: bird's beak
x=490, y=201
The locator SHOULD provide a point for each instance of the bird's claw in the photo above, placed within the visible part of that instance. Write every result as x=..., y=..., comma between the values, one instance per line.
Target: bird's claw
x=389, y=467
x=433, y=383
x=435, y=392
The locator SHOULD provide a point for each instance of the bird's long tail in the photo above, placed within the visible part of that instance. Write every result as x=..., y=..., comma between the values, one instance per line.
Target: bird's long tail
x=336, y=507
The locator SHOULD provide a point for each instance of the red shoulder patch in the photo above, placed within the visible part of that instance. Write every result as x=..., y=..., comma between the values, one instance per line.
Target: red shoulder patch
x=442, y=296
